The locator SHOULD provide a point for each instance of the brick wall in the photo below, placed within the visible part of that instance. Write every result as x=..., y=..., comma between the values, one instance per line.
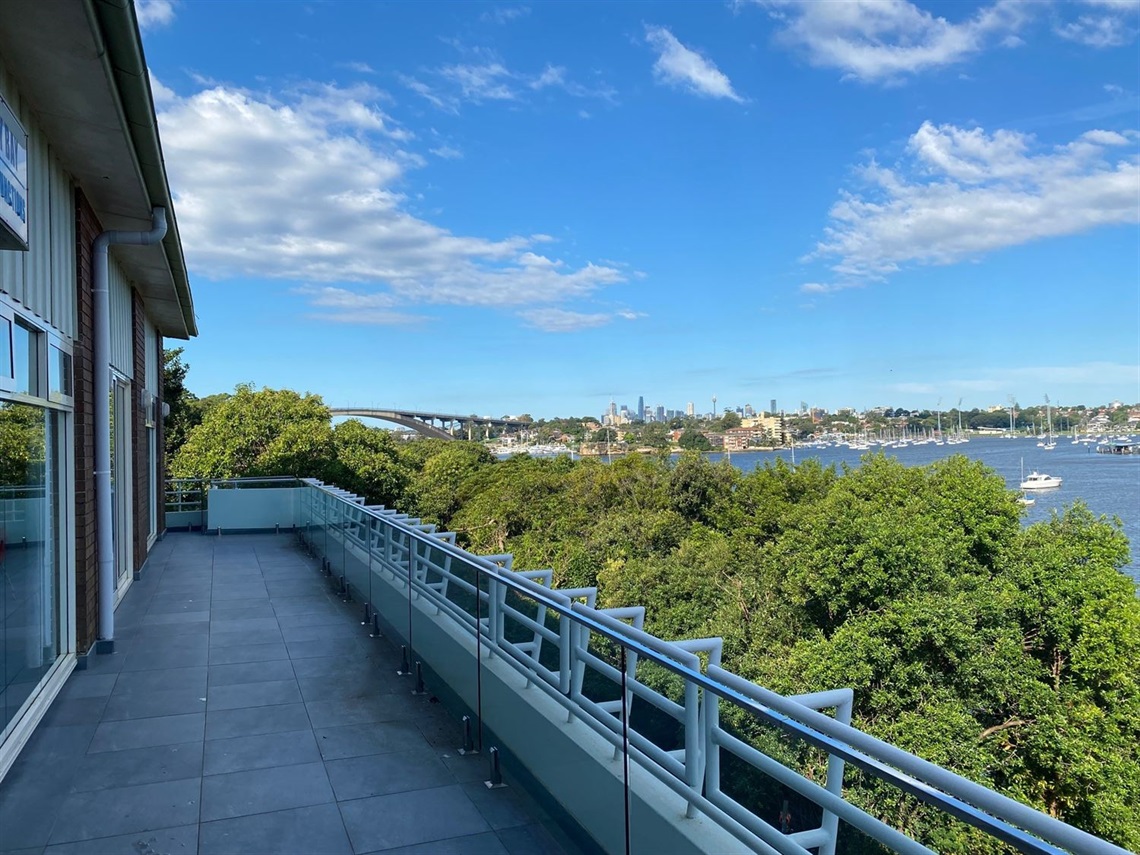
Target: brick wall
x=139, y=462
x=86, y=561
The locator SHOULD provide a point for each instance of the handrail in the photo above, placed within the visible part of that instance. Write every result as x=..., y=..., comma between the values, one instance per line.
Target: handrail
x=1019, y=825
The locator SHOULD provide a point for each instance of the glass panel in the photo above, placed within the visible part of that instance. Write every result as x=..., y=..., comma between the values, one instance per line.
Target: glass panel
x=26, y=359
x=5, y=347
x=59, y=373
x=29, y=551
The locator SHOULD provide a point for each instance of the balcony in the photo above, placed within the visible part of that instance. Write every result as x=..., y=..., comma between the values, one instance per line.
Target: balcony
x=347, y=679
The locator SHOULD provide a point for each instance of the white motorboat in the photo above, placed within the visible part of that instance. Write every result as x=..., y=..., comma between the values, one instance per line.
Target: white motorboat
x=1040, y=481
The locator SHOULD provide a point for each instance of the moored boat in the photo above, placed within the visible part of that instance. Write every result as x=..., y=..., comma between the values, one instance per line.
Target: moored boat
x=1040, y=481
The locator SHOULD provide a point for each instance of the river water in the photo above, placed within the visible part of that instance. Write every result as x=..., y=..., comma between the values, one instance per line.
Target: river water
x=1108, y=484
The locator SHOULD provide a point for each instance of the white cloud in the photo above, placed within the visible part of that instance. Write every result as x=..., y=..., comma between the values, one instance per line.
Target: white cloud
x=305, y=187
x=1078, y=378
x=161, y=93
x=563, y=320
x=154, y=13
x=686, y=69
x=489, y=79
x=441, y=101
x=447, y=152
x=478, y=83
x=359, y=67
x=504, y=14
x=818, y=288
x=1098, y=31
x=883, y=40
x=1105, y=24
x=963, y=193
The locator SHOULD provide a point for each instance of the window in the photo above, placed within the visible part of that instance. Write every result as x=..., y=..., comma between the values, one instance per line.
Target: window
x=5, y=349
x=59, y=374
x=26, y=359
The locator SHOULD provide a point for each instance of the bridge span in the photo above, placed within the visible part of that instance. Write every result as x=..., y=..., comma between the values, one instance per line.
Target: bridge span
x=425, y=423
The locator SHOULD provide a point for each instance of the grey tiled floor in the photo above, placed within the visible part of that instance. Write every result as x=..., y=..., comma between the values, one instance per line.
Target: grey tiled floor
x=246, y=711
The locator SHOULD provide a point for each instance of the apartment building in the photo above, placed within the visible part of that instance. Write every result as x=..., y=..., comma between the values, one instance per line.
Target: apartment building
x=92, y=280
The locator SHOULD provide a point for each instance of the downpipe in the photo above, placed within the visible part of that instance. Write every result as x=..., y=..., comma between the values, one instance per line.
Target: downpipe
x=100, y=260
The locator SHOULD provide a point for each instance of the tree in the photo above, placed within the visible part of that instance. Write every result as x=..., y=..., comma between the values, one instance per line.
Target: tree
x=606, y=434
x=184, y=415
x=259, y=432
x=436, y=488
x=655, y=435
x=730, y=420
x=693, y=440
x=369, y=463
x=22, y=449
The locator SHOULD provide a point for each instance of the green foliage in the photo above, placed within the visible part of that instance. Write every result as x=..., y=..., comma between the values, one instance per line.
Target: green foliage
x=730, y=419
x=265, y=432
x=693, y=440
x=369, y=463
x=184, y=414
x=21, y=444
x=434, y=493
x=1009, y=654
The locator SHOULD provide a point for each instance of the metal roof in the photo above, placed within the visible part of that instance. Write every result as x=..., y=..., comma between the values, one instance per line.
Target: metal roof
x=80, y=66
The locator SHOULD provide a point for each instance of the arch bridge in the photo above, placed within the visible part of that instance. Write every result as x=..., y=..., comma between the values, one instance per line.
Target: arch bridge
x=450, y=426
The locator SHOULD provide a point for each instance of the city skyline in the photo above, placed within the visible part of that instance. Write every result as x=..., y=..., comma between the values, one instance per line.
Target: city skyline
x=501, y=207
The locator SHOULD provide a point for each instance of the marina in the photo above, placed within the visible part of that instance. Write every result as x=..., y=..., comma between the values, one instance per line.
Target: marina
x=1107, y=482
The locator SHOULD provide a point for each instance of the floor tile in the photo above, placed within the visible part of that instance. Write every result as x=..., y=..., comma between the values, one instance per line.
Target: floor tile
x=241, y=638
x=251, y=672
x=474, y=844
x=183, y=839
x=248, y=653
x=70, y=711
x=530, y=840
x=109, y=769
x=354, y=710
x=147, y=732
x=358, y=740
x=322, y=604
x=227, y=612
x=174, y=618
x=347, y=647
x=264, y=790
x=315, y=830
x=502, y=808
x=154, y=660
x=225, y=724
x=126, y=810
x=262, y=751
x=272, y=693
x=323, y=617
x=130, y=705
x=403, y=819
x=83, y=684
x=157, y=681
x=394, y=772
x=254, y=626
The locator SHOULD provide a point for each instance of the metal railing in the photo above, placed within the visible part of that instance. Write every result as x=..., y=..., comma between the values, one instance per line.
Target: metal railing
x=186, y=494
x=560, y=642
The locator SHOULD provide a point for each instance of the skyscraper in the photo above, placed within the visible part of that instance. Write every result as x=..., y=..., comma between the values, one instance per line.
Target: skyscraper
x=641, y=407
x=773, y=410
x=690, y=409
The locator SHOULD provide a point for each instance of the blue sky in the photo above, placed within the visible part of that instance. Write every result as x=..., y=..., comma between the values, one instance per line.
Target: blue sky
x=508, y=208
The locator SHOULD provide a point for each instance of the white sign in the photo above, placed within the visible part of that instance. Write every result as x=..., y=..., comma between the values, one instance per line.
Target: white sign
x=13, y=181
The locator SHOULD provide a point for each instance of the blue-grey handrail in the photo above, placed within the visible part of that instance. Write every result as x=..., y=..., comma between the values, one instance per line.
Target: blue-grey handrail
x=1026, y=829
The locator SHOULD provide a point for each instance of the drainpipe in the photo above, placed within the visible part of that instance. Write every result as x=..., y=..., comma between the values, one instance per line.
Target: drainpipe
x=102, y=402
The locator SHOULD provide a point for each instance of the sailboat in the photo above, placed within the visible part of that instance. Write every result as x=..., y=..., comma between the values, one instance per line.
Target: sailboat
x=1050, y=442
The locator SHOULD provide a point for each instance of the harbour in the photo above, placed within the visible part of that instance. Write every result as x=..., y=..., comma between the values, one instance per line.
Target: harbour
x=1109, y=483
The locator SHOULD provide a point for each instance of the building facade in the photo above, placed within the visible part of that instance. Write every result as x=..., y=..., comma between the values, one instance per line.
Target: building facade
x=84, y=311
